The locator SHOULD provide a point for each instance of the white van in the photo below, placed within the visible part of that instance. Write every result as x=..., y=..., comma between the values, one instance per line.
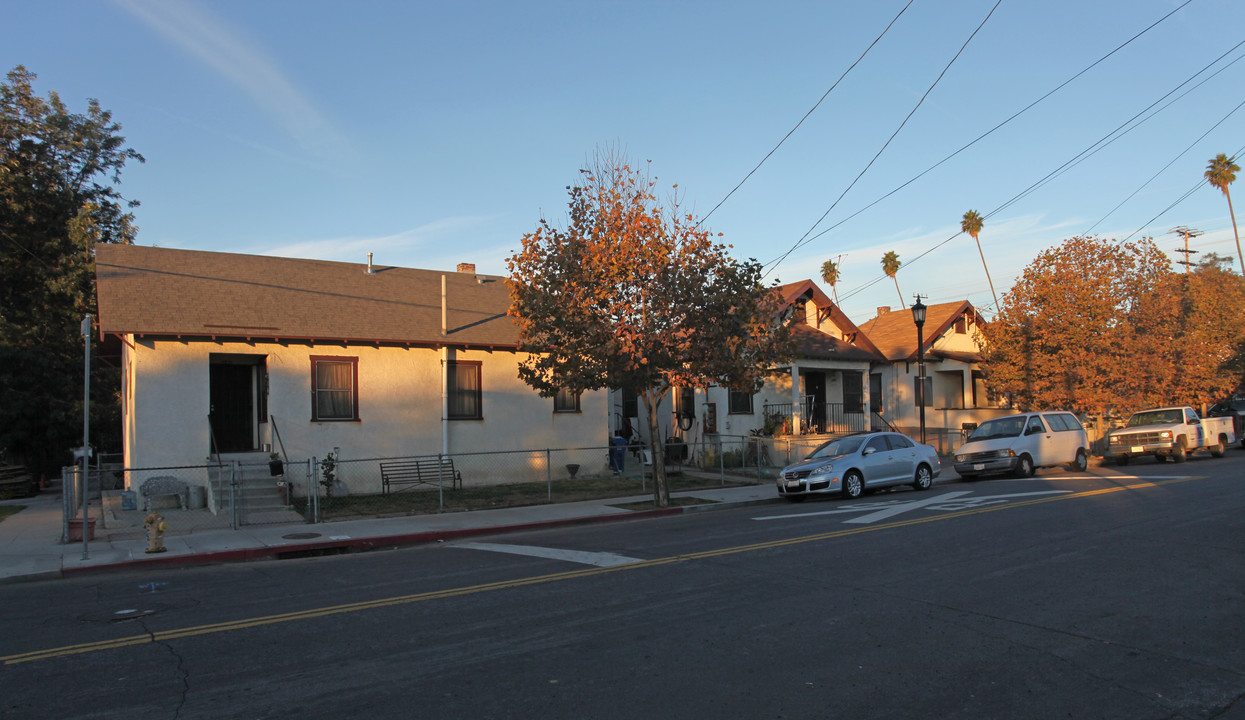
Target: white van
x=1019, y=444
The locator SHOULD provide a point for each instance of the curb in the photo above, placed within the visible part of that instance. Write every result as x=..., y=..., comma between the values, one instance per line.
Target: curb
x=366, y=544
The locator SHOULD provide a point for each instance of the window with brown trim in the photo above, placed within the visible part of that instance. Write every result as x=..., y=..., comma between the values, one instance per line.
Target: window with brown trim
x=334, y=388
x=466, y=396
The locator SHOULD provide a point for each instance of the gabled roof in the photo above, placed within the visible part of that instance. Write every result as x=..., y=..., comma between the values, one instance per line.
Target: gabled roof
x=814, y=344
x=894, y=332
x=809, y=290
x=189, y=293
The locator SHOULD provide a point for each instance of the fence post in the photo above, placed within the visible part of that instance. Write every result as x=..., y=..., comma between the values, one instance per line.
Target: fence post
x=721, y=461
x=549, y=472
x=440, y=482
x=234, y=496
x=313, y=492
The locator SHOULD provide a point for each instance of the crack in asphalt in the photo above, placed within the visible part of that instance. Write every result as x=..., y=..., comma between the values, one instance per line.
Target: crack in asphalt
x=181, y=667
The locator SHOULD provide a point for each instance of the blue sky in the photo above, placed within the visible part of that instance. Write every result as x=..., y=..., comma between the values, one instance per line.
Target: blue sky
x=437, y=133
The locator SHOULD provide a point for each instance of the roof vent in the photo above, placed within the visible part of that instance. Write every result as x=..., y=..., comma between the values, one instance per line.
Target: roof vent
x=370, y=271
x=466, y=267
x=882, y=310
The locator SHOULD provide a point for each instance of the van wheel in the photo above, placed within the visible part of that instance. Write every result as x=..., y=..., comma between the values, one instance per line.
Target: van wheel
x=853, y=485
x=1181, y=452
x=1081, y=463
x=1217, y=449
x=1024, y=466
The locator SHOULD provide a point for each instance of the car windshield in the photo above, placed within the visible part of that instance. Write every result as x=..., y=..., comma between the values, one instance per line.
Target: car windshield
x=1156, y=417
x=1000, y=428
x=843, y=446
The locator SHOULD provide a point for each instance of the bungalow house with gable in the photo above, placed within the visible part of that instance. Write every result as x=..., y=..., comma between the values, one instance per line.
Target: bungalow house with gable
x=955, y=392
x=823, y=391
x=243, y=355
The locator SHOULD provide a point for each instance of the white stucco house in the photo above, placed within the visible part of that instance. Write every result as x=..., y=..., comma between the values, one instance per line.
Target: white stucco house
x=955, y=391
x=845, y=378
x=823, y=391
x=227, y=353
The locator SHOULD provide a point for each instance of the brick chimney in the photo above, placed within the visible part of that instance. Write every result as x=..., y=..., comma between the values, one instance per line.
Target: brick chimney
x=467, y=268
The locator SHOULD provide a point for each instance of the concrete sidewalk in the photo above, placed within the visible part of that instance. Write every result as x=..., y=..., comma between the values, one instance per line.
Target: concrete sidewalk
x=31, y=547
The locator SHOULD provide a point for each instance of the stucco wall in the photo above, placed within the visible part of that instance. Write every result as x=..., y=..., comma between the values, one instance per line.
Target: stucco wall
x=399, y=396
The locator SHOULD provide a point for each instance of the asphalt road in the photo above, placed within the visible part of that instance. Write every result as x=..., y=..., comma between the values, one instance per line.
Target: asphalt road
x=1117, y=593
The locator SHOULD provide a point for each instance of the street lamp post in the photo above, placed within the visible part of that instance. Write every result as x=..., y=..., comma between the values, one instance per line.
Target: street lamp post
x=918, y=317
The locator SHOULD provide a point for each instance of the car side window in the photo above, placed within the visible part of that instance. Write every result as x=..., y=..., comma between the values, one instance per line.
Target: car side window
x=1071, y=421
x=877, y=444
x=899, y=442
x=1190, y=417
x=1062, y=422
x=1035, y=425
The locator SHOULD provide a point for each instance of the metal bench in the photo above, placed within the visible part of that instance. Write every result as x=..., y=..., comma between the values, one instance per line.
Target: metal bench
x=420, y=471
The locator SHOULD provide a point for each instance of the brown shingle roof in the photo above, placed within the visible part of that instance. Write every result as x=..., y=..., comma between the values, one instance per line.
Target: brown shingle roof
x=161, y=291
x=894, y=333
x=816, y=345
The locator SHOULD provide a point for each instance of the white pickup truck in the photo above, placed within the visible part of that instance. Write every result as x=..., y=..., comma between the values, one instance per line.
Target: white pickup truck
x=1170, y=431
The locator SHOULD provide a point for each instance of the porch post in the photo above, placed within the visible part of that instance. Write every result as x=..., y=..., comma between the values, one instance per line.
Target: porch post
x=797, y=403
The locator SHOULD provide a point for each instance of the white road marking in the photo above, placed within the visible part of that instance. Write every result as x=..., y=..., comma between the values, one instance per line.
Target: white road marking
x=951, y=501
x=596, y=559
x=858, y=507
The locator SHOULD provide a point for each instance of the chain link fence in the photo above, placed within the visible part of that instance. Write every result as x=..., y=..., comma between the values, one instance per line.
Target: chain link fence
x=371, y=487
x=232, y=494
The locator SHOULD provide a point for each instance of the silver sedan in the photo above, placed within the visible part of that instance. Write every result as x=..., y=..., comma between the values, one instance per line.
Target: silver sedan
x=855, y=463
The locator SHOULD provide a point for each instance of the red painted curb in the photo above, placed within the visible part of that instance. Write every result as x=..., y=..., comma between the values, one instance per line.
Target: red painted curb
x=363, y=544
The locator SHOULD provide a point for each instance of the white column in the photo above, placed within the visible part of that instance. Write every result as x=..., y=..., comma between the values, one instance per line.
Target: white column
x=797, y=404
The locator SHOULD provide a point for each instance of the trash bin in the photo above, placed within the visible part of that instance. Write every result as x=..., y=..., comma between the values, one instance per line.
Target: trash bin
x=197, y=498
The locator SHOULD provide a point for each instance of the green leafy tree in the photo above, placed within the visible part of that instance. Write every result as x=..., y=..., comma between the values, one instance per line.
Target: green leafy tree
x=890, y=266
x=633, y=294
x=972, y=223
x=58, y=198
x=830, y=273
x=1094, y=326
x=1221, y=172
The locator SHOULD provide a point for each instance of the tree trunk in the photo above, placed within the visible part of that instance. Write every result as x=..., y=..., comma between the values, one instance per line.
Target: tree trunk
x=987, y=269
x=1235, y=234
x=661, y=491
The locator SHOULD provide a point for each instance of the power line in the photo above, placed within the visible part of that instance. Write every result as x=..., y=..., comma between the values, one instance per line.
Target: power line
x=807, y=114
x=1164, y=168
x=804, y=241
x=1078, y=157
x=885, y=145
x=1196, y=186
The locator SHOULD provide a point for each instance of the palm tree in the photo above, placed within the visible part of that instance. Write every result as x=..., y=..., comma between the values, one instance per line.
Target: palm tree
x=971, y=224
x=1221, y=172
x=890, y=266
x=830, y=273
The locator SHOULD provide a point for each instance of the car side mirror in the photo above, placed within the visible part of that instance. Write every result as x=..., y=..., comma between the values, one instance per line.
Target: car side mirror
x=868, y=451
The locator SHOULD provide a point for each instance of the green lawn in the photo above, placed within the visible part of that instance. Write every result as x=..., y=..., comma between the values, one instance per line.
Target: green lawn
x=7, y=510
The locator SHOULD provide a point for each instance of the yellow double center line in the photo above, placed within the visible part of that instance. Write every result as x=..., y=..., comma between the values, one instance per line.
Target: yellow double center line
x=165, y=635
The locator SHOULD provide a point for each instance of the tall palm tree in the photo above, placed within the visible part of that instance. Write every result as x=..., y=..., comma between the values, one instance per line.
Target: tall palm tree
x=972, y=224
x=830, y=273
x=890, y=266
x=1221, y=172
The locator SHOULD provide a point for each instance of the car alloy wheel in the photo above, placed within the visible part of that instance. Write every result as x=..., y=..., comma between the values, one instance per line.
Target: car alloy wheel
x=853, y=485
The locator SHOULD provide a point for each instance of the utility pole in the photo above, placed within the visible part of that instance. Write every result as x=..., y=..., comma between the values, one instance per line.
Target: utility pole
x=1186, y=233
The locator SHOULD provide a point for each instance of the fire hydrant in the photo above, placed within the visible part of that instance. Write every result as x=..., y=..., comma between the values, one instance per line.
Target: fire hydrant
x=156, y=527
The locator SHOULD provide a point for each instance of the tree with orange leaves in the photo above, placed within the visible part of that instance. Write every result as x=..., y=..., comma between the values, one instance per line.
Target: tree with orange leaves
x=1096, y=325
x=633, y=294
